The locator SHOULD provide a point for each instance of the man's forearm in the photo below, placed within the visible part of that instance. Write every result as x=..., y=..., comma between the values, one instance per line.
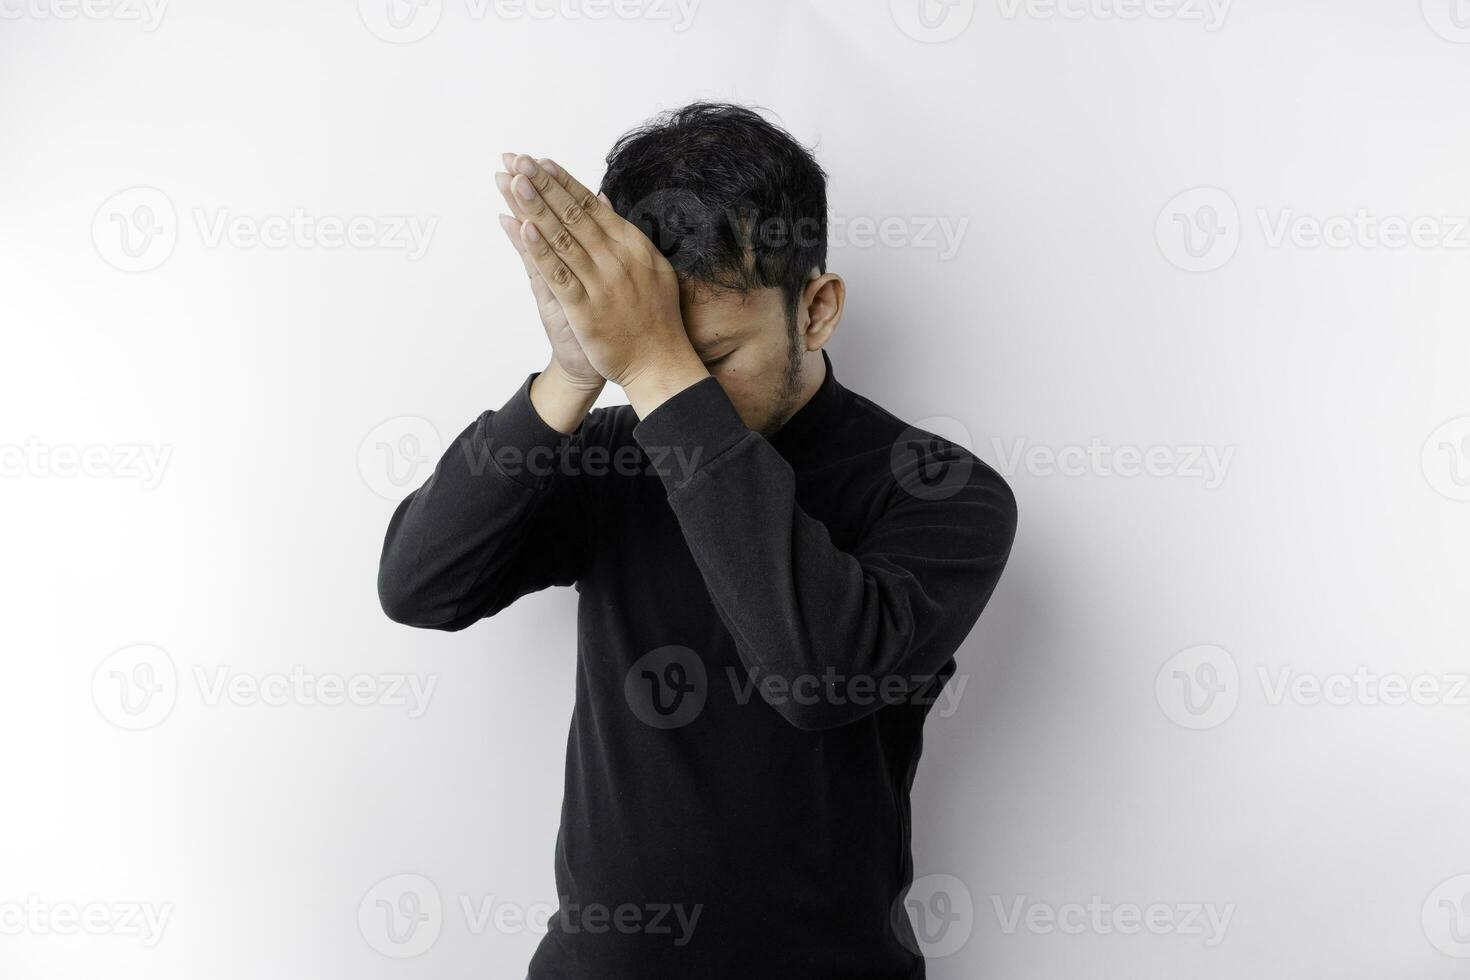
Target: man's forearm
x=561, y=403
x=497, y=519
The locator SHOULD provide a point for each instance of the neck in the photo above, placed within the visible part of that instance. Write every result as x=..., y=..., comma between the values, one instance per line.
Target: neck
x=803, y=382
x=813, y=372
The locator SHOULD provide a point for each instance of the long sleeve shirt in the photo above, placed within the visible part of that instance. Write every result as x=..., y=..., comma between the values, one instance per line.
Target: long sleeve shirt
x=763, y=625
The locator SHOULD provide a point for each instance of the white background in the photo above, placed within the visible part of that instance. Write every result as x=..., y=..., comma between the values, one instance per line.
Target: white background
x=1079, y=767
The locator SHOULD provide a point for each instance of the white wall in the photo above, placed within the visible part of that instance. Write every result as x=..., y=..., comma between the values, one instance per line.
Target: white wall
x=1331, y=538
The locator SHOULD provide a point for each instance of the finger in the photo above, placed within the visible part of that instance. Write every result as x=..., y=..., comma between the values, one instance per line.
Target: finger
x=548, y=261
x=512, y=225
x=541, y=216
x=570, y=209
x=596, y=206
x=512, y=229
x=544, y=296
x=503, y=183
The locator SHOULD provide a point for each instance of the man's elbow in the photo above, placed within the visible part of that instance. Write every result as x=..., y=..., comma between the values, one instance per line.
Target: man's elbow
x=409, y=606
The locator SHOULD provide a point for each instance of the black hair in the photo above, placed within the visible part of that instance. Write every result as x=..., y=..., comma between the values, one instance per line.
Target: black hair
x=730, y=199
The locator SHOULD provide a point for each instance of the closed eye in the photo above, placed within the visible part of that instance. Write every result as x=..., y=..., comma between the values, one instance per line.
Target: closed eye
x=716, y=360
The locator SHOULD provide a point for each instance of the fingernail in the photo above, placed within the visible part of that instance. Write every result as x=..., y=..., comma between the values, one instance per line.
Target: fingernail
x=526, y=166
x=503, y=182
x=532, y=235
x=548, y=166
x=509, y=160
x=525, y=190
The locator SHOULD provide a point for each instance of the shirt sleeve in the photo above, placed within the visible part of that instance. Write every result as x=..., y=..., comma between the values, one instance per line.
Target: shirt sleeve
x=497, y=519
x=894, y=608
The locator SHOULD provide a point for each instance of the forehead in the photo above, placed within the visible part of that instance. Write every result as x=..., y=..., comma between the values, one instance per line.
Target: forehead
x=714, y=316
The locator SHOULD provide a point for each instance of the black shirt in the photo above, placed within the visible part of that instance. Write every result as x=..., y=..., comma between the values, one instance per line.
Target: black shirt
x=762, y=627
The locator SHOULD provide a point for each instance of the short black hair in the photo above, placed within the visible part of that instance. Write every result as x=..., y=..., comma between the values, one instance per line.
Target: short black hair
x=730, y=199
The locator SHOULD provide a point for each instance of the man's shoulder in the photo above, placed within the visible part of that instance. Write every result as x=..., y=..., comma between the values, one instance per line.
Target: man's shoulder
x=929, y=460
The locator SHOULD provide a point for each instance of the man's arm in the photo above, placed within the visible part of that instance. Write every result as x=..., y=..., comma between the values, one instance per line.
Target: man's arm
x=481, y=534
x=825, y=623
x=496, y=520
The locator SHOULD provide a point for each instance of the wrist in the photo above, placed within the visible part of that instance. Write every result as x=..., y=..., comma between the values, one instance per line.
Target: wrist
x=562, y=402
x=650, y=385
x=589, y=386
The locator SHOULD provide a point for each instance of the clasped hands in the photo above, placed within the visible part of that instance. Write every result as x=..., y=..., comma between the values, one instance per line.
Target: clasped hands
x=609, y=300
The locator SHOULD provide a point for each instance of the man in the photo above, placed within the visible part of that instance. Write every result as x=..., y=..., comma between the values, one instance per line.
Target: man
x=774, y=572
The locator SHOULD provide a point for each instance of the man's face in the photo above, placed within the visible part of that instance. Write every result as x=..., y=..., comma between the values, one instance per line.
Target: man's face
x=745, y=340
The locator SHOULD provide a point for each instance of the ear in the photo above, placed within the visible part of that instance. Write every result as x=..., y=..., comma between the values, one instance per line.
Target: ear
x=820, y=310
